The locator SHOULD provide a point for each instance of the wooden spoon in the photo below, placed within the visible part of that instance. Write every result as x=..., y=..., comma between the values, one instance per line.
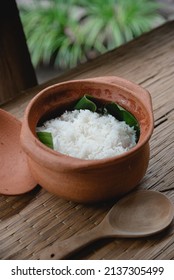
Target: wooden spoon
x=138, y=214
x=15, y=177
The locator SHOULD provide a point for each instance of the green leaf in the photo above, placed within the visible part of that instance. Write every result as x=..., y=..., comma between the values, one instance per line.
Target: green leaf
x=114, y=110
x=46, y=138
x=86, y=103
x=90, y=26
x=122, y=115
x=129, y=118
x=132, y=122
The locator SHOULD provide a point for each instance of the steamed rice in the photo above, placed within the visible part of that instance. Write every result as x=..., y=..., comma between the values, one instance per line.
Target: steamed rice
x=87, y=135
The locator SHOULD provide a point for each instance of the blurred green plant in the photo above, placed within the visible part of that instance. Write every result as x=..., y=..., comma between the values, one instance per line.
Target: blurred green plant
x=65, y=33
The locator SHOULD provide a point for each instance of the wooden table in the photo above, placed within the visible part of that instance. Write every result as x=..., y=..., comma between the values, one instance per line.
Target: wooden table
x=35, y=220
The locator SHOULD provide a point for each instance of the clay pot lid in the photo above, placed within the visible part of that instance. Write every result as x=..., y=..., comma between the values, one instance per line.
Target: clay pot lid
x=15, y=177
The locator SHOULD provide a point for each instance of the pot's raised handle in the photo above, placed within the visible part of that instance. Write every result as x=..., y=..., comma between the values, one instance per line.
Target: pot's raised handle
x=142, y=94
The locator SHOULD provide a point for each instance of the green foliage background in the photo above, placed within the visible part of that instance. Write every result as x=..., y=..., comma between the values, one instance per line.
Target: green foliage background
x=65, y=33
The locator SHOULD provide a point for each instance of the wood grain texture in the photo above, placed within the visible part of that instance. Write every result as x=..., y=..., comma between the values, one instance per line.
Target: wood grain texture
x=16, y=70
x=35, y=220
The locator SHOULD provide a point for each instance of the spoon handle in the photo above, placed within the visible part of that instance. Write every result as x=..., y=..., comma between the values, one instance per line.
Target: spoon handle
x=61, y=249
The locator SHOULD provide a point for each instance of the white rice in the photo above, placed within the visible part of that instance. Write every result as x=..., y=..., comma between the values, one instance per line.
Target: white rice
x=87, y=135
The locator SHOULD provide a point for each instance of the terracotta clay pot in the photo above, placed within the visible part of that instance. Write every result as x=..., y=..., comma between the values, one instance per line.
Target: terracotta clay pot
x=14, y=172
x=87, y=180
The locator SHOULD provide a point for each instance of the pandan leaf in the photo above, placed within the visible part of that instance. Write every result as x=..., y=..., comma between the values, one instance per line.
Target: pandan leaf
x=114, y=110
x=86, y=103
x=46, y=138
x=122, y=115
x=129, y=118
x=132, y=122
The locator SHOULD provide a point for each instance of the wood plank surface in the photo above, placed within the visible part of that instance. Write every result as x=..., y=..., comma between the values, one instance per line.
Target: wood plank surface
x=35, y=220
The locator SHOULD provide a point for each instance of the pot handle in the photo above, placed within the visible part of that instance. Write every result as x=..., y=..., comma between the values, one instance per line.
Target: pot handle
x=142, y=94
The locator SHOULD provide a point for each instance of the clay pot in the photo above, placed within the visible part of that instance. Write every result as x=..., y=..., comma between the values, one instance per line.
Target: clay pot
x=14, y=172
x=87, y=180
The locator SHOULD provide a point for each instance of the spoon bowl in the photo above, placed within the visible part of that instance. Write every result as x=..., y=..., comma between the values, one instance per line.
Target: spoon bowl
x=14, y=172
x=139, y=214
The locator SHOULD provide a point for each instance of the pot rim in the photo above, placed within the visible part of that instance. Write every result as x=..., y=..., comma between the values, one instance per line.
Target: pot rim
x=35, y=149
